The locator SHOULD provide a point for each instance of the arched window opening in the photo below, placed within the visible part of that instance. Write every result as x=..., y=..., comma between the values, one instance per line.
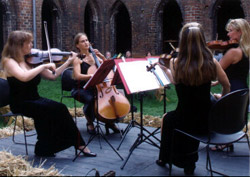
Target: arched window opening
x=49, y=14
x=89, y=23
x=123, y=30
x=228, y=9
x=172, y=24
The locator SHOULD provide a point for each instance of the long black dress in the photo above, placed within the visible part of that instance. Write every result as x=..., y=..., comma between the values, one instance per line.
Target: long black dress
x=190, y=115
x=55, y=127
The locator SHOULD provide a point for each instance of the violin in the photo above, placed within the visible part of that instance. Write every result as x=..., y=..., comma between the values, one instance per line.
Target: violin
x=221, y=45
x=38, y=56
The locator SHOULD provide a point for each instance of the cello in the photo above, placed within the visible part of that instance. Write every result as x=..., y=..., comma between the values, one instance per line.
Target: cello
x=110, y=104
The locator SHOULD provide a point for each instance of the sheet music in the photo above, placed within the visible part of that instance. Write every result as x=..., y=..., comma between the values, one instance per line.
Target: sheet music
x=139, y=79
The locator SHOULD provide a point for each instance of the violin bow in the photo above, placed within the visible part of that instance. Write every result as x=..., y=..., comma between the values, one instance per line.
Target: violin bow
x=48, y=44
x=172, y=46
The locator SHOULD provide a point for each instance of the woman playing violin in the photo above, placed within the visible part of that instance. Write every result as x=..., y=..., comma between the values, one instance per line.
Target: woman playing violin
x=81, y=76
x=235, y=62
x=55, y=127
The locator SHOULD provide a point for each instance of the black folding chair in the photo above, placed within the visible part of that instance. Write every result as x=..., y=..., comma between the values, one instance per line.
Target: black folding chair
x=226, y=122
x=4, y=101
x=66, y=86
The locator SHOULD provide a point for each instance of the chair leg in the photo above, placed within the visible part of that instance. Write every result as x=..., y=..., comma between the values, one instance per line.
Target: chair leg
x=13, y=136
x=248, y=143
x=210, y=164
x=208, y=161
x=244, y=155
x=24, y=134
x=25, y=140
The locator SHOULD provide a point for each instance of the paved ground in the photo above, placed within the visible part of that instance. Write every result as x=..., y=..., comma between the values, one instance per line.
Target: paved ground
x=140, y=163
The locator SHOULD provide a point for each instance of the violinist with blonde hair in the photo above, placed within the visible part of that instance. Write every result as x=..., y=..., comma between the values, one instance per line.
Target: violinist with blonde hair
x=235, y=62
x=54, y=125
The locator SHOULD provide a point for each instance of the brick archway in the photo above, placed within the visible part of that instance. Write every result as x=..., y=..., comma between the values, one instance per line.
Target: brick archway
x=7, y=21
x=167, y=27
x=51, y=14
x=92, y=23
x=121, y=28
x=222, y=11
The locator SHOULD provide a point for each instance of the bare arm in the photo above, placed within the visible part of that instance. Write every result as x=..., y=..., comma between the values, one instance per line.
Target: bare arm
x=13, y=69
x=48, y=74
x=222, y=78
x=168, y=73
x=232, y=56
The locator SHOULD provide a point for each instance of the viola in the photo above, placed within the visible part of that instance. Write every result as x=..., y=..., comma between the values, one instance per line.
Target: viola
x=39, y=56
x=164, y=59
x=222, y=45
x=110, y=104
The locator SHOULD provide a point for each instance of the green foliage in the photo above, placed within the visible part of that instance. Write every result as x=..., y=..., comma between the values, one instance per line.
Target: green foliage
x=151, y=105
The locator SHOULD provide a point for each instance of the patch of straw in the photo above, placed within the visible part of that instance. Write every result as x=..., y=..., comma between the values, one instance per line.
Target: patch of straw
x=148, y=120
x=8, y=131
x=11, y=165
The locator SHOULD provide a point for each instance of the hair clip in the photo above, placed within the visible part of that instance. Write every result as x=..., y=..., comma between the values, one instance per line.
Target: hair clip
x=193, y=27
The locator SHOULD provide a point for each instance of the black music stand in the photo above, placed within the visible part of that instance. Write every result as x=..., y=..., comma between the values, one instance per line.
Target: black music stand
x=98, y=77
x=152, y=84
x=132, y=123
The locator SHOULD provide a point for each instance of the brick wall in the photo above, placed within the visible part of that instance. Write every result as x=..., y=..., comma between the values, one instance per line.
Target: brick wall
x=144, y=17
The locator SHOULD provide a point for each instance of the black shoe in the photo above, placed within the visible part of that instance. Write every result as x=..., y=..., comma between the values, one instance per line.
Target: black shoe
x=160, y=163
x=90, y=131
x=189, y=170
x=89, y=154
x=112, y=127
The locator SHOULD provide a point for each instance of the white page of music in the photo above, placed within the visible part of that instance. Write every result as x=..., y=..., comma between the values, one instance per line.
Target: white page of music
x=137, y=77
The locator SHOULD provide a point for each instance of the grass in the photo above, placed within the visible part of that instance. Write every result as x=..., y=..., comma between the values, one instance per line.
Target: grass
x=52, y=90
x=151, y=105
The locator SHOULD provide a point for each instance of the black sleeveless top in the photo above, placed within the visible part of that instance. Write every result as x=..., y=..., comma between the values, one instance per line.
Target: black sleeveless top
x=23, y=91
x=237, y=73
x=84, y=70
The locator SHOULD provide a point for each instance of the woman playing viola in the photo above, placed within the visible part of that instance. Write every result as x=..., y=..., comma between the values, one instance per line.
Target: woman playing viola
x=81, y=76
x=191, y=73
x=55, y=127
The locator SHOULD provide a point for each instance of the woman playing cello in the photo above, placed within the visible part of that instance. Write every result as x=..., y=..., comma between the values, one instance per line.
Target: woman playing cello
x=55, y=127
x=81, y=76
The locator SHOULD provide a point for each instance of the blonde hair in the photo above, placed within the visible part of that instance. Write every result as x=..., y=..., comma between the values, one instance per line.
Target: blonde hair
x=13, y=47
x=242, y=25
x=195, y=63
